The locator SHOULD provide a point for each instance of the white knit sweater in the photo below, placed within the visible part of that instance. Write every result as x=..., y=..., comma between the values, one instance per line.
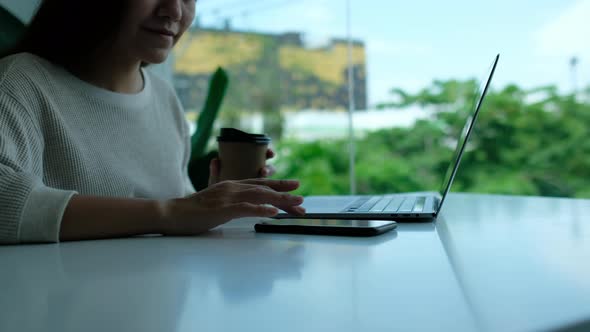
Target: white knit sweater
x=60, y=135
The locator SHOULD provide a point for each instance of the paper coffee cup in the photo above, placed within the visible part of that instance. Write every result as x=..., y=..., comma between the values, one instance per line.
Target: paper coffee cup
x=241, y=155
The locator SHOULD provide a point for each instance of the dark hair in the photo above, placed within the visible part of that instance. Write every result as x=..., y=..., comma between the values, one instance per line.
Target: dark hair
x=69, y=31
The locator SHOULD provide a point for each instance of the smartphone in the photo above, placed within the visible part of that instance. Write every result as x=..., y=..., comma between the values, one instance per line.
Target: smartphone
x=326, y=226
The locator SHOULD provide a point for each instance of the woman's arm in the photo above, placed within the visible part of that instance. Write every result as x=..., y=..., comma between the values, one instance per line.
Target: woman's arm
x=91, y=217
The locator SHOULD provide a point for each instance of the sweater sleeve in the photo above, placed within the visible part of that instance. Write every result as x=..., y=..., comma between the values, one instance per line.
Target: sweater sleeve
x=29, y=210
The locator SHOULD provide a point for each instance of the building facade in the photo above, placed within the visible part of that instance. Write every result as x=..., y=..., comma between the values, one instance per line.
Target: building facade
x=269, y=71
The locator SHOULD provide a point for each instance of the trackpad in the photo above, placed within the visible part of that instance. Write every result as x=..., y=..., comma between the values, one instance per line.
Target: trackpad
x=327, y=204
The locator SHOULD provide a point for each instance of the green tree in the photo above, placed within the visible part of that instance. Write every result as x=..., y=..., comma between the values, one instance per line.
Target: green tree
x=526, y=142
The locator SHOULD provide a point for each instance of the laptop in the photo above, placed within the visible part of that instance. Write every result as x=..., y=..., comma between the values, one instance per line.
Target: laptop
x=401, y=206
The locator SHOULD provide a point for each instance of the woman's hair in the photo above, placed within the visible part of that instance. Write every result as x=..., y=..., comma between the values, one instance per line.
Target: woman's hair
x=66, y=32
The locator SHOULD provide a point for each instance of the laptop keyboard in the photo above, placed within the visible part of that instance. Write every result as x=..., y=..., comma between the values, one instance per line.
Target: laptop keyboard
x=387, y=204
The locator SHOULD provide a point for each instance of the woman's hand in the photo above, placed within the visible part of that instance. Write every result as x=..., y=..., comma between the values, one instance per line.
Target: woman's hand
x=268, y=170
x=214, y=168
x=227, y=200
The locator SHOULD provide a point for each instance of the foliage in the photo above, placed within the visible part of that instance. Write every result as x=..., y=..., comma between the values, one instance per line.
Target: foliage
x=263, y=67
x=216, y=92
x=198, y=167
x=526, y=142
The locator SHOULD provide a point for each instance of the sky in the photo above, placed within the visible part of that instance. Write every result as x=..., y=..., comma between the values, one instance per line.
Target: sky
x=411, y=43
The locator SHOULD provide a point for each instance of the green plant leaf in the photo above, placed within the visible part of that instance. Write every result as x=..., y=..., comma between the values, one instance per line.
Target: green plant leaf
x=217, y=88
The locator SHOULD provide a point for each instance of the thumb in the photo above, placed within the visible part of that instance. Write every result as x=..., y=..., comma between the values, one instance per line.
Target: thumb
x=214, y=167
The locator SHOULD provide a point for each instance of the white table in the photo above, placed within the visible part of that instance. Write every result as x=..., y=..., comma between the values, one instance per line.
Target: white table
x=491, y=263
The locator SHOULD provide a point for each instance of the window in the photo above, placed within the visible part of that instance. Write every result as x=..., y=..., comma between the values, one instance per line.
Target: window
x=415, y=67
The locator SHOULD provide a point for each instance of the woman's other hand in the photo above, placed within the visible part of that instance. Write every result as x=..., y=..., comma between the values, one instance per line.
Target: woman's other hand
x=268, y=170
x=215, y=169
x=227, y=200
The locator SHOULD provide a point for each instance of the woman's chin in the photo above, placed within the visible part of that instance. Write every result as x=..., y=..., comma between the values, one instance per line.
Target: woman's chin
x=156, y=56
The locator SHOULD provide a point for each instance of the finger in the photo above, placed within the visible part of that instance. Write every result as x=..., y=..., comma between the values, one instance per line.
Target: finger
x=261, y=195
x=271, y=170
x=242, y=186
x=269, y=153
x=278, y=185
x=214, y=166
x=244, y=209
x=267, y=171
x=295, y=210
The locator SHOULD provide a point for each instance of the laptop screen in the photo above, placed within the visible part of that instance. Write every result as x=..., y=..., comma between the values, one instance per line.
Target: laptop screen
x=464, y=137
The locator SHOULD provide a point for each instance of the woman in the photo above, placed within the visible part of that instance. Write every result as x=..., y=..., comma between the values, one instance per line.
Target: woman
x=94, y=146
